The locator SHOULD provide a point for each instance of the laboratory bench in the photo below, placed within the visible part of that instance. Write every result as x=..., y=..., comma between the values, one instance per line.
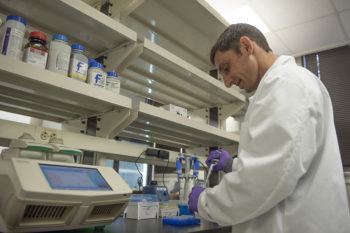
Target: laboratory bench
x=124, y=225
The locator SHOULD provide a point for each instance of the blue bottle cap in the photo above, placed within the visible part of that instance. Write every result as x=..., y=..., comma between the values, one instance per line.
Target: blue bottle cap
x=60, y=37
x=96, y=64
x=78, y=47
x=17, y=18
x=112, y=74
x=91, y=60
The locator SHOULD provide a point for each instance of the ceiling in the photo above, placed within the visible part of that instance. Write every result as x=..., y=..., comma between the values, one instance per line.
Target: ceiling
x=301, y=27
x=297, y=27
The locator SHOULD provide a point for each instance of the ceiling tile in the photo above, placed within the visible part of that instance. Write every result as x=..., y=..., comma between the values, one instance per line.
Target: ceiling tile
x=313, y=36
x=342, y=4
x=222, y=5
x=276, y=45
x=285, y=13
x=345, y=18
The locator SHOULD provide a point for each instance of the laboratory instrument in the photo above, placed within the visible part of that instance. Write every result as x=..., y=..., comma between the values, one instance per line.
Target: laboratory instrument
x=41, y=195
x=212, y=165
x=159, y=190
x=187, y=179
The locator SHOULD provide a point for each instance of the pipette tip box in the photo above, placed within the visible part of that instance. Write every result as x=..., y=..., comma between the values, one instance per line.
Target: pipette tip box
x=183, y=220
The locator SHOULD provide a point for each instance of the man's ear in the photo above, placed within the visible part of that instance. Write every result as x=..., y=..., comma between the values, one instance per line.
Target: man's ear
x=246, y=44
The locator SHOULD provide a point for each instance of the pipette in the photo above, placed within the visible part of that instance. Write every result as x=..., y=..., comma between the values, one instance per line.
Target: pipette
x=214, y=162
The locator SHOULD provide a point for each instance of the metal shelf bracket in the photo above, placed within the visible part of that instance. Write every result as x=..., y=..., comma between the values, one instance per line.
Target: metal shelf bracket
x=112, y=123
x=122, y=56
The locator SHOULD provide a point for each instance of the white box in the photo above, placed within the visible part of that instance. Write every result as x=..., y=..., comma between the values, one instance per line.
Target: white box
x=167, y=212
x=142, y=210
x=176, y=109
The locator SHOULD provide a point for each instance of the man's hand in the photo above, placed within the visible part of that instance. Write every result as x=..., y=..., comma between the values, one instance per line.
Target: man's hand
x=193, y=198
x=225, y=160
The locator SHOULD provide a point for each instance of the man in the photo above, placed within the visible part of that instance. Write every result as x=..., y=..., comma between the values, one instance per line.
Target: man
x=288, y=176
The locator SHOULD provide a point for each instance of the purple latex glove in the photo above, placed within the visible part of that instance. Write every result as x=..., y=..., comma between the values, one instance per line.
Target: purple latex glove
x=225, y=160
x=193, y=198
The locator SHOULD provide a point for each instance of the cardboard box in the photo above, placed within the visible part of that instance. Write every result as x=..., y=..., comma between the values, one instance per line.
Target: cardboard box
x=167, y=212
x=142, y=210
x=176, y=109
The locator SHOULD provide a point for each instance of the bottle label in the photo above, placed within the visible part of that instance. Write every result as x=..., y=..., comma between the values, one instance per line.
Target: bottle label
x=97, y=78
x=62, y=62
x=58, y=59
x=113, y=85
x=79, y=70
x=12, y=43
x=35, y=57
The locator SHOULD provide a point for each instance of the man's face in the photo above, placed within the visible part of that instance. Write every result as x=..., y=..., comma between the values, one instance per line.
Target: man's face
x=238, y=69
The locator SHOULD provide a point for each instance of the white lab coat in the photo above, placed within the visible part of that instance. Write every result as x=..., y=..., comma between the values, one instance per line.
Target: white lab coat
x=288, y=177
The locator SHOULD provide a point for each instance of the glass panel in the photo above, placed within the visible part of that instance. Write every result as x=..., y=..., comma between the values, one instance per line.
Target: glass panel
x=129, y=172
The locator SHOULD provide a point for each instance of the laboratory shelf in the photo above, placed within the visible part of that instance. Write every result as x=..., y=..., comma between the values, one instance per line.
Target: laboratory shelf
x=165, y=77
x=74, y=18
x=185, y=28
x=28, y=90
x=161, y=126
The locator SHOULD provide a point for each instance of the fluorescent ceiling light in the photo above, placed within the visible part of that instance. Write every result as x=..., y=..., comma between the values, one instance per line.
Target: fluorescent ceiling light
x=233, y=14
x=14, y=117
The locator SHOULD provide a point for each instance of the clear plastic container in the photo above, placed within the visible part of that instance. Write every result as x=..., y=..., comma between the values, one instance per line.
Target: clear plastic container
x=144, y=198
x=14, y=30
x=113, y=82
x=96, y=76
x=78, y=66
x=59, y=54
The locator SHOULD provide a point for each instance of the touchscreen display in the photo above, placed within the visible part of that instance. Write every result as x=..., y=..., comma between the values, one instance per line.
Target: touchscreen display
x=74, y=178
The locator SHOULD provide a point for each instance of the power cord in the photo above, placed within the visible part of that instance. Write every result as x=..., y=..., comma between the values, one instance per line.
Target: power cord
x=164, y=171
x=140, y=179
x=167, y=191
x=203, y=165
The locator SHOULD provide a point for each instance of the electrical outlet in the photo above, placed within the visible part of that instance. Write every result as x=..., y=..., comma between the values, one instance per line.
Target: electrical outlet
x=44, y=135
x=53, y=135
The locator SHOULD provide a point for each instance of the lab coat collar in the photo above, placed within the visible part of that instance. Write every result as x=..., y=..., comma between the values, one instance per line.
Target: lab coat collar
x=281, y=60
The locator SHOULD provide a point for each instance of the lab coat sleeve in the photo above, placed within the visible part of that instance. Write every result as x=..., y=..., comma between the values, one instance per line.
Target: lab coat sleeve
x=279, y=148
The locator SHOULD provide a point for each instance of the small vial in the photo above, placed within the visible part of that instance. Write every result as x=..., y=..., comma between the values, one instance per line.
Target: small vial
x=35, y=51
x=78, y=65
x=113, y=82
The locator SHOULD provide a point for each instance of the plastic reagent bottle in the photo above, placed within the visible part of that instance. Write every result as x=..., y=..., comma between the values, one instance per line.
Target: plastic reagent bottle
x=15, y=28
x=78, y=65
x=113, y=82
x=96, y=76
x=59, y=54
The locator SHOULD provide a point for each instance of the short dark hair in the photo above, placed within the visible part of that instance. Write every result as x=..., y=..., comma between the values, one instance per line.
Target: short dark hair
x=229, y=39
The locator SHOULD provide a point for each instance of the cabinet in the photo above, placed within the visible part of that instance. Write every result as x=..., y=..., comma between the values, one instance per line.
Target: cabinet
x=148, y=69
